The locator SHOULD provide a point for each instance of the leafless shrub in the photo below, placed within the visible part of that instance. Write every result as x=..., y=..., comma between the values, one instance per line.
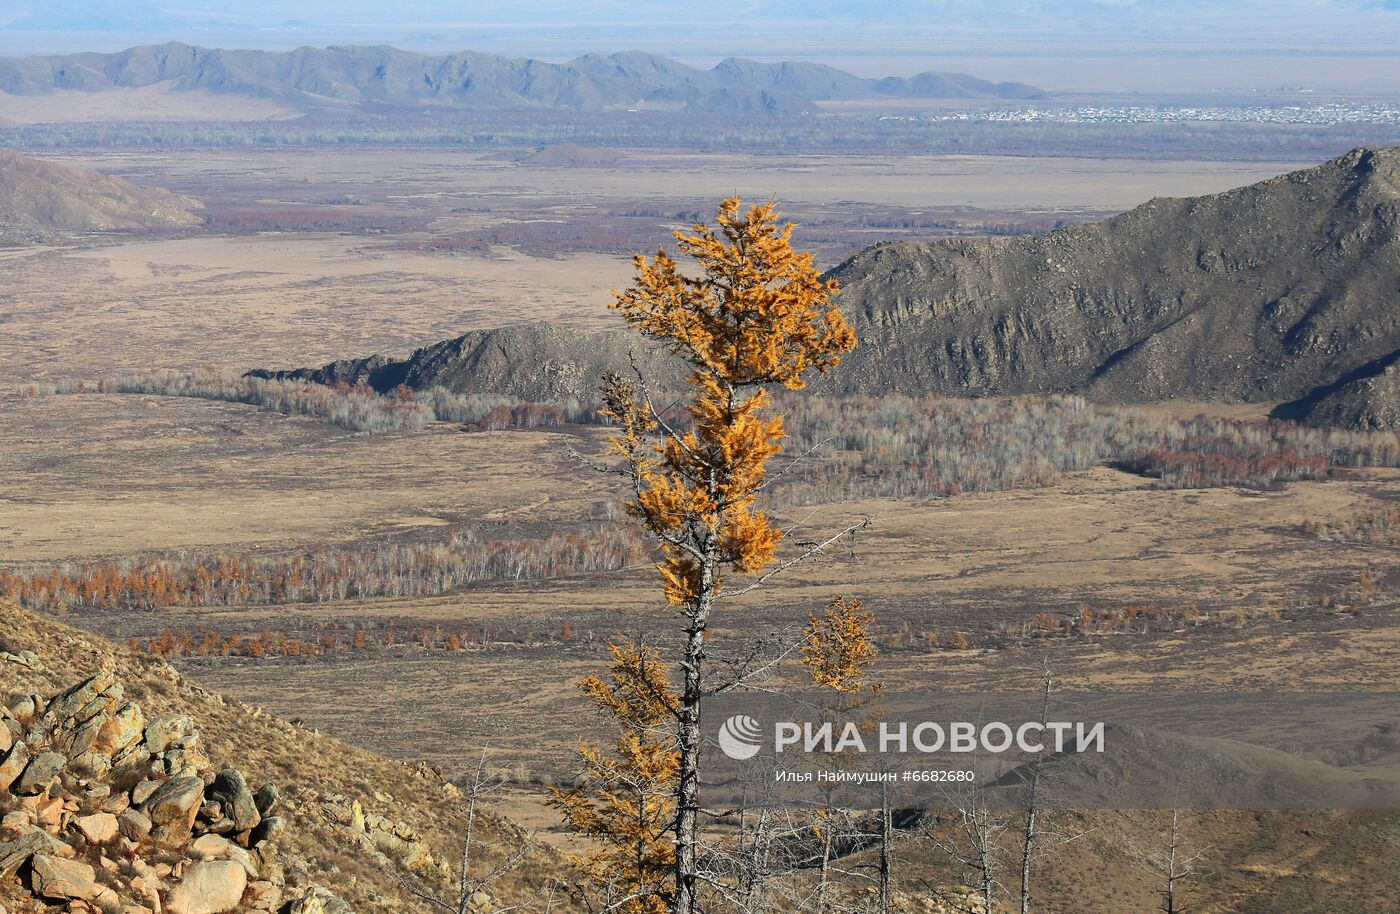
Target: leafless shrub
x=356, y=408
x=897, y=446
x=476, y=878
x=385, y=569
x=492, y=412
x=855, y=447
x=1172, y=858
x=1375, y=527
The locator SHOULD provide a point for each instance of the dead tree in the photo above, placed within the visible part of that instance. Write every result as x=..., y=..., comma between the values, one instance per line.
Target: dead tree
x=834, y=825
x=975, y=841
x=886, y=857
x=474, y=880
x=1174, y=861
x=753, y=873
x=975, y=844
x=1039, y=837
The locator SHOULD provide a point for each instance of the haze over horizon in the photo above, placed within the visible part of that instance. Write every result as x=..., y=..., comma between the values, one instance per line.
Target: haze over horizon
x=1063, y=45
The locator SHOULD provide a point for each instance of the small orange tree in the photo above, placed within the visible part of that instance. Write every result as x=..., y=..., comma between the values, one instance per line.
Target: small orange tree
x=837, y=652
x=625, y=798
x=758, y=314
x=837, y=649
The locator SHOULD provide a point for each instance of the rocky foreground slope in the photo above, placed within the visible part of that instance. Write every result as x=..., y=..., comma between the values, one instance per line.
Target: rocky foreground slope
x=1286, y=291
x=125, y=788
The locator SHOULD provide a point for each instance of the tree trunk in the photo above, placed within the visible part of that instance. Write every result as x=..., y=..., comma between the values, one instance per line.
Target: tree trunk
x=1033, y=806
x=757, y=873
x=988, y=886
x=824, y=879
x=691, y=740
x=1170, y=900
x=886, y=850
x=1028, y=847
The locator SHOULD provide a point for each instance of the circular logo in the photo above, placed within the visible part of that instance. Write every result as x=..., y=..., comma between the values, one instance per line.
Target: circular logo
x=740, y=737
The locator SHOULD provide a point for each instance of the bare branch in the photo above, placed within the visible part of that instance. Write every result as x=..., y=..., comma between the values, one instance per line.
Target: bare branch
x=584, y=460
x=481, y=785
x=816, y=549
x=792, y=464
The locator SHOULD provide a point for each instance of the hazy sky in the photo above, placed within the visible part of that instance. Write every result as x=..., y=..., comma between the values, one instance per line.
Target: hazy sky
x=1063, y=44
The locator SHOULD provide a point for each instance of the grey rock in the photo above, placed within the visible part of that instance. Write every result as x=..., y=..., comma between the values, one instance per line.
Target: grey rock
x=12, y=764
x=172, y=809
x=169, y=730
x=134, y=824
x=42, y=771
x=84, y=701
x=268, y=830
x=230, y=789
x=208, y=888
x=268, y=799
x=16, y=853
x=173, y=799
x=143, y=791
x=23, y=708
x=57, y=878
x=25, y=658
x=220, y=826
x=318, y=901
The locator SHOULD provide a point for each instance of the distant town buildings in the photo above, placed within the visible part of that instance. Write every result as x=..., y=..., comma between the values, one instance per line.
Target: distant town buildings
x=1318, y=115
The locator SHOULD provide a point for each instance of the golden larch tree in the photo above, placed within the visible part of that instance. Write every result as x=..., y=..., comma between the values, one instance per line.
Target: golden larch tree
x=837, y=652
x=836, y=647
x=625, y=798
x=758, y=314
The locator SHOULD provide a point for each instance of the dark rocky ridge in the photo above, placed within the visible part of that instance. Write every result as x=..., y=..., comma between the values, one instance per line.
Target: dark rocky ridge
x=379, y=77
x=534, y=362
x=1286, y=291
x=1263, y=293
x=1369, y=401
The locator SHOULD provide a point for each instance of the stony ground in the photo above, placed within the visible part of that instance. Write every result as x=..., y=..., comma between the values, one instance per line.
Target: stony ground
x=126, y=789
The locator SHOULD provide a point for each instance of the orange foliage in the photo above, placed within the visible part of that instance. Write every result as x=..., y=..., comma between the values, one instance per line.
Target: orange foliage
x=324, y=575
x=625, y=798
x=759, y=314
x=837, y=648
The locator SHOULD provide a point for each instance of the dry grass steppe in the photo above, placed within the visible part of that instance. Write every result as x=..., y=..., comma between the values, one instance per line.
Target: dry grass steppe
x=306, y=296
x=108, y=475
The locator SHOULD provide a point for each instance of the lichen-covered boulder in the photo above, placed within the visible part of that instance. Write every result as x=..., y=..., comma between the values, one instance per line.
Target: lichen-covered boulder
x=172, y=808
x=208, y=888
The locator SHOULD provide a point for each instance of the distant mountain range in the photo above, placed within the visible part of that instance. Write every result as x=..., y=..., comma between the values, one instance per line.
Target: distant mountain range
x=40, y=201
x=1286, y=291
x=385, y=77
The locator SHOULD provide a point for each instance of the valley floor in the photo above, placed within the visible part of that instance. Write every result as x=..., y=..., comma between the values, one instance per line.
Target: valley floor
x=1230, y=589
